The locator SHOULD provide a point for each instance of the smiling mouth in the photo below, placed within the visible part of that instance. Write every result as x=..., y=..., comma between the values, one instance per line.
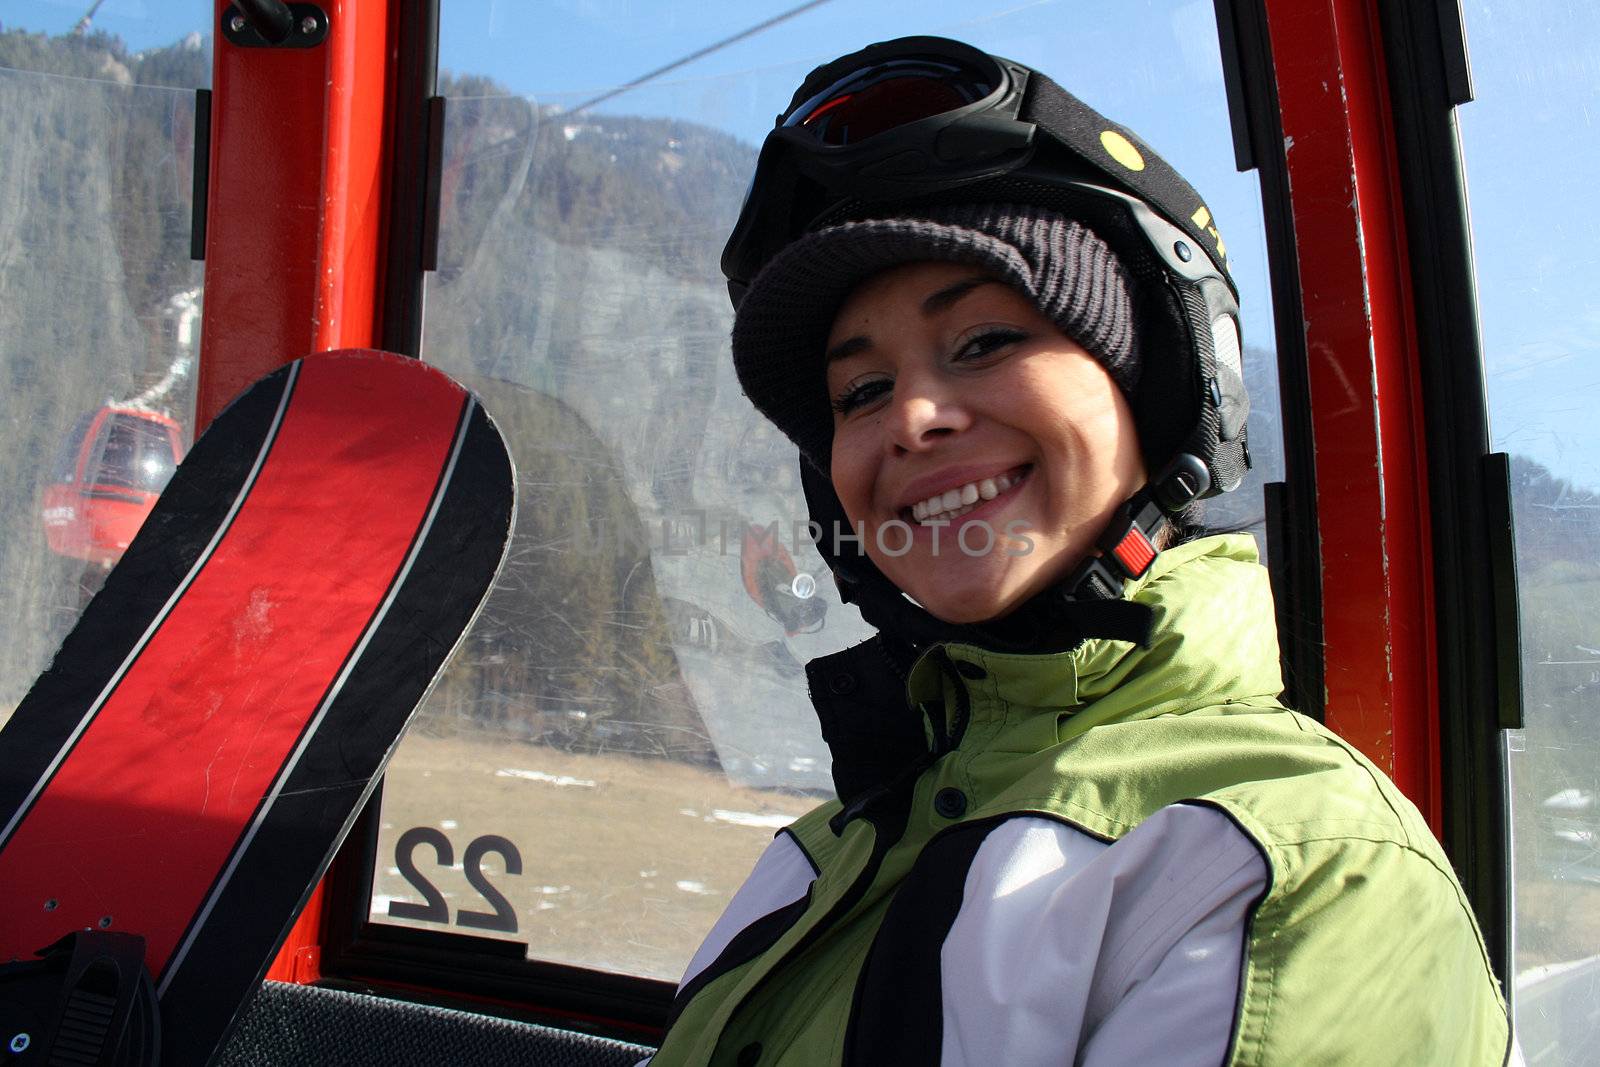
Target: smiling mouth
x=956, y=502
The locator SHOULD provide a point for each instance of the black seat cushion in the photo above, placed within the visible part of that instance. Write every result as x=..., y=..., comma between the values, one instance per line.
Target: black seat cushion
x=308, y=1027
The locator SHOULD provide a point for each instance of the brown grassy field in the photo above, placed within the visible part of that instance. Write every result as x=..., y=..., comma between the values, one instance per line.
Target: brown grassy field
x=626, y=862
x=1556, y=922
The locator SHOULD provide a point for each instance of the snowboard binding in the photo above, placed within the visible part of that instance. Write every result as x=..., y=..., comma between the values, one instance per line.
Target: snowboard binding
x=88, y=999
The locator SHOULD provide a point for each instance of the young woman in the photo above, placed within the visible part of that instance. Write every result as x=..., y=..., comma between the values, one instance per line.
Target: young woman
x=1074, y=823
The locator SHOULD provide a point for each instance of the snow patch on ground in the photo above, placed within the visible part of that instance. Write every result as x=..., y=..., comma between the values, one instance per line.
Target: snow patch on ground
x=540, y=776
x=741, y=818
x=746, y=818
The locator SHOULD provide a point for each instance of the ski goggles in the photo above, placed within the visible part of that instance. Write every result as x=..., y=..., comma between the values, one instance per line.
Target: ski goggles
x=945, y=103
x=927, y=120
x=895, y=121
x=884, y=95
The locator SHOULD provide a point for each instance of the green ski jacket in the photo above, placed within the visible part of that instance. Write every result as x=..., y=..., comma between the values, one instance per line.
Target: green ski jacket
x=1118, y=853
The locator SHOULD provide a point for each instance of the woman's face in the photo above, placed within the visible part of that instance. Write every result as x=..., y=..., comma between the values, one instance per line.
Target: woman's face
x=981, y=448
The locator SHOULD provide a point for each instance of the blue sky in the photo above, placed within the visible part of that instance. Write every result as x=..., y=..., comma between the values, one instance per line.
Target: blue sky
x=1530, y=143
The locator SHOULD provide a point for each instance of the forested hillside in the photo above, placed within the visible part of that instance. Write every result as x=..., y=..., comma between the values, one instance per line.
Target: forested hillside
x=96, y=280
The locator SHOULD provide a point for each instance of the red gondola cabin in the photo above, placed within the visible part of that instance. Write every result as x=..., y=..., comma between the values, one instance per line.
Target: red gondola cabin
x=110, y=470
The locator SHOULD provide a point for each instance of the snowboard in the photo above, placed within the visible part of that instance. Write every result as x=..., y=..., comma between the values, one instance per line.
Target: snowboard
x=187, y=766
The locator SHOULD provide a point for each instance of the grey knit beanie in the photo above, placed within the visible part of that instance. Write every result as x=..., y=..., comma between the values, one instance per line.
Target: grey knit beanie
x=782, y=324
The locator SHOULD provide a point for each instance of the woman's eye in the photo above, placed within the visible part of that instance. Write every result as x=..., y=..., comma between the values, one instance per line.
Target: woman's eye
x=987, y=343
x=859, y=394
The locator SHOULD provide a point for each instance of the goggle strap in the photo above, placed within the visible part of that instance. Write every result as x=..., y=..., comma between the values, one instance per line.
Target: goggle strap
x=1085, y=132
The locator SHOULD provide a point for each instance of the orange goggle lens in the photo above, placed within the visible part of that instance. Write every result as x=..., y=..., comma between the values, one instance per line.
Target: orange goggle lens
x=887, y=96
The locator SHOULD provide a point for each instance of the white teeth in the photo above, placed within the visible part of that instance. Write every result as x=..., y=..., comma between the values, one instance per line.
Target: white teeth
x=948, y=516
x=954, y=503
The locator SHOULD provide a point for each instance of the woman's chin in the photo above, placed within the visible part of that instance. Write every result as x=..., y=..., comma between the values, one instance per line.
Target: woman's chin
x=962, y=587
x=965, y=615
x=983, y=602
x=966, y=591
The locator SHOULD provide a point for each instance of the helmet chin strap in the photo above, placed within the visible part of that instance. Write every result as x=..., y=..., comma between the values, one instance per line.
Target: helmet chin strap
x=1127, y=546
x=1088, y=603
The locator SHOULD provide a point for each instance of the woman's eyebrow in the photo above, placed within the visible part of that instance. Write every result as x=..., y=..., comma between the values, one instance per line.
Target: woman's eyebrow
x=947, y=297
x=934, y=303
x=846, y=349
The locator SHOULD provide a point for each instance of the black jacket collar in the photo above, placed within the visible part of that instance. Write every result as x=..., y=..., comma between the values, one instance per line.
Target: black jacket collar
x=860, y=693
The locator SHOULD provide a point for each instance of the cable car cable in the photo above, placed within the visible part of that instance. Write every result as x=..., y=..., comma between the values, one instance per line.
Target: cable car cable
x=81, y=27
x=707, y=50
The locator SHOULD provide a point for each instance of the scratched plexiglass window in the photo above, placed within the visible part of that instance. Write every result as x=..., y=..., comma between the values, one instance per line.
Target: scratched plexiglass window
x=99, y=301
x=1537, y=83
x=627, y=724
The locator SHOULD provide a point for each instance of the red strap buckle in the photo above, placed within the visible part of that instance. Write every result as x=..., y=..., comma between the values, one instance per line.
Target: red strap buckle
x=1134, y=552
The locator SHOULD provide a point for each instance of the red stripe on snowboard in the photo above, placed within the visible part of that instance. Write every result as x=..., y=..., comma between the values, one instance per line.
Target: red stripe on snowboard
x=164, y=781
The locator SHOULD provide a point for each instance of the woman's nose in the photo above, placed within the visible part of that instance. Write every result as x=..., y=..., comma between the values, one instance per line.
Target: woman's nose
x=922, y=413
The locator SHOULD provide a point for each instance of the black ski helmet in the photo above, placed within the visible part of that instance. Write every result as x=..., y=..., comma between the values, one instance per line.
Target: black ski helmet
x=905, y=128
